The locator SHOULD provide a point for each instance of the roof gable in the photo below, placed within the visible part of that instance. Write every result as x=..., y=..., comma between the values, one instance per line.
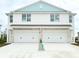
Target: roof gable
x=40, y=6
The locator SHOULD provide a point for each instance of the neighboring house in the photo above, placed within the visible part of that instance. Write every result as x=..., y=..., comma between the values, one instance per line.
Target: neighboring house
x=40, y=20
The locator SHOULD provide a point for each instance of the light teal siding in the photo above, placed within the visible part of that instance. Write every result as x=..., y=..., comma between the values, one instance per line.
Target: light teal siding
x=40, y=7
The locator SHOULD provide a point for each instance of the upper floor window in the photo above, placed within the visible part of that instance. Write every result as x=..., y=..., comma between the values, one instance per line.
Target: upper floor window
x=54, y=17
x=28, y=17
x=11, y=18
x=70, y=18
x=23, y=17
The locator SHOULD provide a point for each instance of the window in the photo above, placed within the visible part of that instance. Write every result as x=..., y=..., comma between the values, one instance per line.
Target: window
x=52, y=17
x=56, y=17
x=23, y=17
x=70, y=18
x=11, y=18
x=28, y=17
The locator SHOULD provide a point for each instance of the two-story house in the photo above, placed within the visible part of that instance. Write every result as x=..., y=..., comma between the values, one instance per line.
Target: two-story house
x=40, y=20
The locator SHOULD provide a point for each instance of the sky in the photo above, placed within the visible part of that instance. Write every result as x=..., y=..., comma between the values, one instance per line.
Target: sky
x=10, y=5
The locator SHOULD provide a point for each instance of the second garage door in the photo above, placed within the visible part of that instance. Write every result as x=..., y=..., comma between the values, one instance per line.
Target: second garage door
x=55, y=36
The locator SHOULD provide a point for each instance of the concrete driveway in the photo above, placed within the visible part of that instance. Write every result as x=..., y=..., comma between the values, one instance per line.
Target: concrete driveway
x=30, y=50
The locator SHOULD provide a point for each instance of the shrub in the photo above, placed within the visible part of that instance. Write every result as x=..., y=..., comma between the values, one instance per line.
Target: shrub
x=76, y=40
x=3, y=39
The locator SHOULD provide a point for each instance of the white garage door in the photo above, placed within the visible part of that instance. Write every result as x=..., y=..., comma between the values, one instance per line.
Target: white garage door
x=26, y=35
x=34, y=36
x=55, y=36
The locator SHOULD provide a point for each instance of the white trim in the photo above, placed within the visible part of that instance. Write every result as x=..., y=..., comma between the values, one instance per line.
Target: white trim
x=37, y=27
x=41, y=13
